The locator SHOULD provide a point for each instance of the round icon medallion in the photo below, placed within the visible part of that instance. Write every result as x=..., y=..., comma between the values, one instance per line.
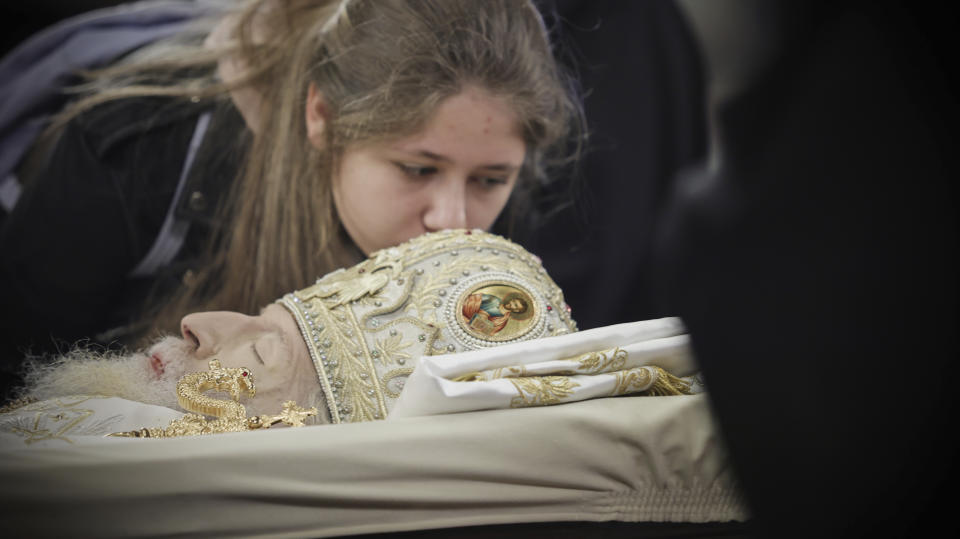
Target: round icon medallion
x=497, y=311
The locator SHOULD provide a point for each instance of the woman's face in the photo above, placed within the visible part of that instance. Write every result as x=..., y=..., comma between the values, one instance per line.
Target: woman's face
x=458, y=172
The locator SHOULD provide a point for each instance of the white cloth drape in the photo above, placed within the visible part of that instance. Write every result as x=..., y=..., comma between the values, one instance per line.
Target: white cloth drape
x=608, y=361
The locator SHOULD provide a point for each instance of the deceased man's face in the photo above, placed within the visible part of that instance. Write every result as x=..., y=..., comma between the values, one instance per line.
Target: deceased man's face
x=269, y=345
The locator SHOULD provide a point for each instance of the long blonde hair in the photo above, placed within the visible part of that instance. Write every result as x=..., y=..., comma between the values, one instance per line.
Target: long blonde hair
x=383, y=66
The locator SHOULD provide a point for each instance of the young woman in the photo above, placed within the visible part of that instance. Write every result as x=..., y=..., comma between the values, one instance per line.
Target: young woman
x=285, y=139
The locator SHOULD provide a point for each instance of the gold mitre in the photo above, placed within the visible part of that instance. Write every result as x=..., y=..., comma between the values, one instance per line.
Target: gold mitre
x=441, y=293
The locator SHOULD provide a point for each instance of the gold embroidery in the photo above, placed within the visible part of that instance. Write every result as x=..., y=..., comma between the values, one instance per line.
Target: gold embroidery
x=503, y=256
x=407, y=320
x=652, y=381
x=399, y=305
x=54, y=420
x=396, y=305
x=515, y=371
x=314, y=335
x=391, y=349
x=541, y=390
x=346, y=358
x=475, y=376
x=431, y=338
x=430, y=287
x=603, y=361
x=359, y=281
x=632, y=381
x=668, y=384
x=393, y=381
x=361, y=386
x=370, y=298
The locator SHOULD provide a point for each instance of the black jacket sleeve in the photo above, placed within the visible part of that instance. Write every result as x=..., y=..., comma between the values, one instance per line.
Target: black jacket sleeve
x=82, y=224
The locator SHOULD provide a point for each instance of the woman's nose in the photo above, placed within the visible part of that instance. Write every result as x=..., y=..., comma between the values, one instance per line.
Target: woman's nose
x=209, y=331
x=447, y=206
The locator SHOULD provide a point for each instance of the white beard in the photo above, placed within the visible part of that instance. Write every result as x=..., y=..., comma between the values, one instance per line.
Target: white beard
x=90, y=372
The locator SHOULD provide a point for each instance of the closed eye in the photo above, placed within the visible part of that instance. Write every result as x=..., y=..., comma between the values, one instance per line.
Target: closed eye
x=416, y=171
x=491, y=182
x=256, y=354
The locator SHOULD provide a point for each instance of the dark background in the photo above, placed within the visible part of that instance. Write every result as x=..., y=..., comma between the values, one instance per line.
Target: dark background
x=23, y=18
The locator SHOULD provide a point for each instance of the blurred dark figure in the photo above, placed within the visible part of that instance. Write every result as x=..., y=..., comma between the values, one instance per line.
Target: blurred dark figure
x=33, y=88
x=643, y=84
x=24, y=18
x=816, y=273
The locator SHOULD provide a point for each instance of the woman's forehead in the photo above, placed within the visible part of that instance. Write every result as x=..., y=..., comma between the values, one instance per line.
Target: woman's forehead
x=467, y=127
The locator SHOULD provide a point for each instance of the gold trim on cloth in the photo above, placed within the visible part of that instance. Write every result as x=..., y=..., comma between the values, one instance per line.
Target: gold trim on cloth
x=444, y=292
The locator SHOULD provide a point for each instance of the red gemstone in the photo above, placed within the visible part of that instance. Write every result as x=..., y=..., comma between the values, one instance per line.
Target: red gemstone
x=469, y=232
x=244, y=373
x=549, y=308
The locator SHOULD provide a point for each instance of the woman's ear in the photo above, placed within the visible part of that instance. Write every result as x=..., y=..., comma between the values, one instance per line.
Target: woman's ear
x=317, y=114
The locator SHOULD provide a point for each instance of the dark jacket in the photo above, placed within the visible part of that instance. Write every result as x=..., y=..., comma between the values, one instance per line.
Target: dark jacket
x=92, y=213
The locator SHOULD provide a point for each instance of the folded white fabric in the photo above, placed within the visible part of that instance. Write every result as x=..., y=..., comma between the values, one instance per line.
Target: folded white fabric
x=652, y=357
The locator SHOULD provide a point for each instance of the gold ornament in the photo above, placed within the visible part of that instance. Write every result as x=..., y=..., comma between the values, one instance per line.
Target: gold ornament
x=230, y=415
x=190, y=390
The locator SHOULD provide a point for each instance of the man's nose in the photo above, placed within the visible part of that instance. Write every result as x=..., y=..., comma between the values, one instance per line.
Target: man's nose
x=447, y=205
x=209, y=330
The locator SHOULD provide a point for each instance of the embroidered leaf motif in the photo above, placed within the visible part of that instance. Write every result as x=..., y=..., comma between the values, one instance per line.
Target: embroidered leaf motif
x=432, y=283
x=371, y=299
x=516, y=371
x=603, y=361
x=632, y=381
x=391, y=349
x=48, y=420
x=541, y=390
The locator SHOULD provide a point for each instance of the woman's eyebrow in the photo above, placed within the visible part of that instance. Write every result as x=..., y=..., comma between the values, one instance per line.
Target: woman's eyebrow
x=434, y=156
x=504, y=167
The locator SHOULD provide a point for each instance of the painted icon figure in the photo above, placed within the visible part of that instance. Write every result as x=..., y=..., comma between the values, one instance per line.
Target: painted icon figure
x=488, y=314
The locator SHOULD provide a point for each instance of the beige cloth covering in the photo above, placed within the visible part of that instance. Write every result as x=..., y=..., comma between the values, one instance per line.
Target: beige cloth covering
x=654, y=459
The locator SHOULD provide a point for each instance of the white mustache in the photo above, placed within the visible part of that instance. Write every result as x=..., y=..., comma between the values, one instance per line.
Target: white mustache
x=175, y=354
x=85, y=371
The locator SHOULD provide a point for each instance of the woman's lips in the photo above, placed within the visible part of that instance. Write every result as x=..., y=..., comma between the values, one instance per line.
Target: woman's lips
x=156, y=363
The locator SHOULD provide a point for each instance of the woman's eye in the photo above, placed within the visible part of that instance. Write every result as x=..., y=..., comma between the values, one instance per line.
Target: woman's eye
x=490, y=182
x=416, y=171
